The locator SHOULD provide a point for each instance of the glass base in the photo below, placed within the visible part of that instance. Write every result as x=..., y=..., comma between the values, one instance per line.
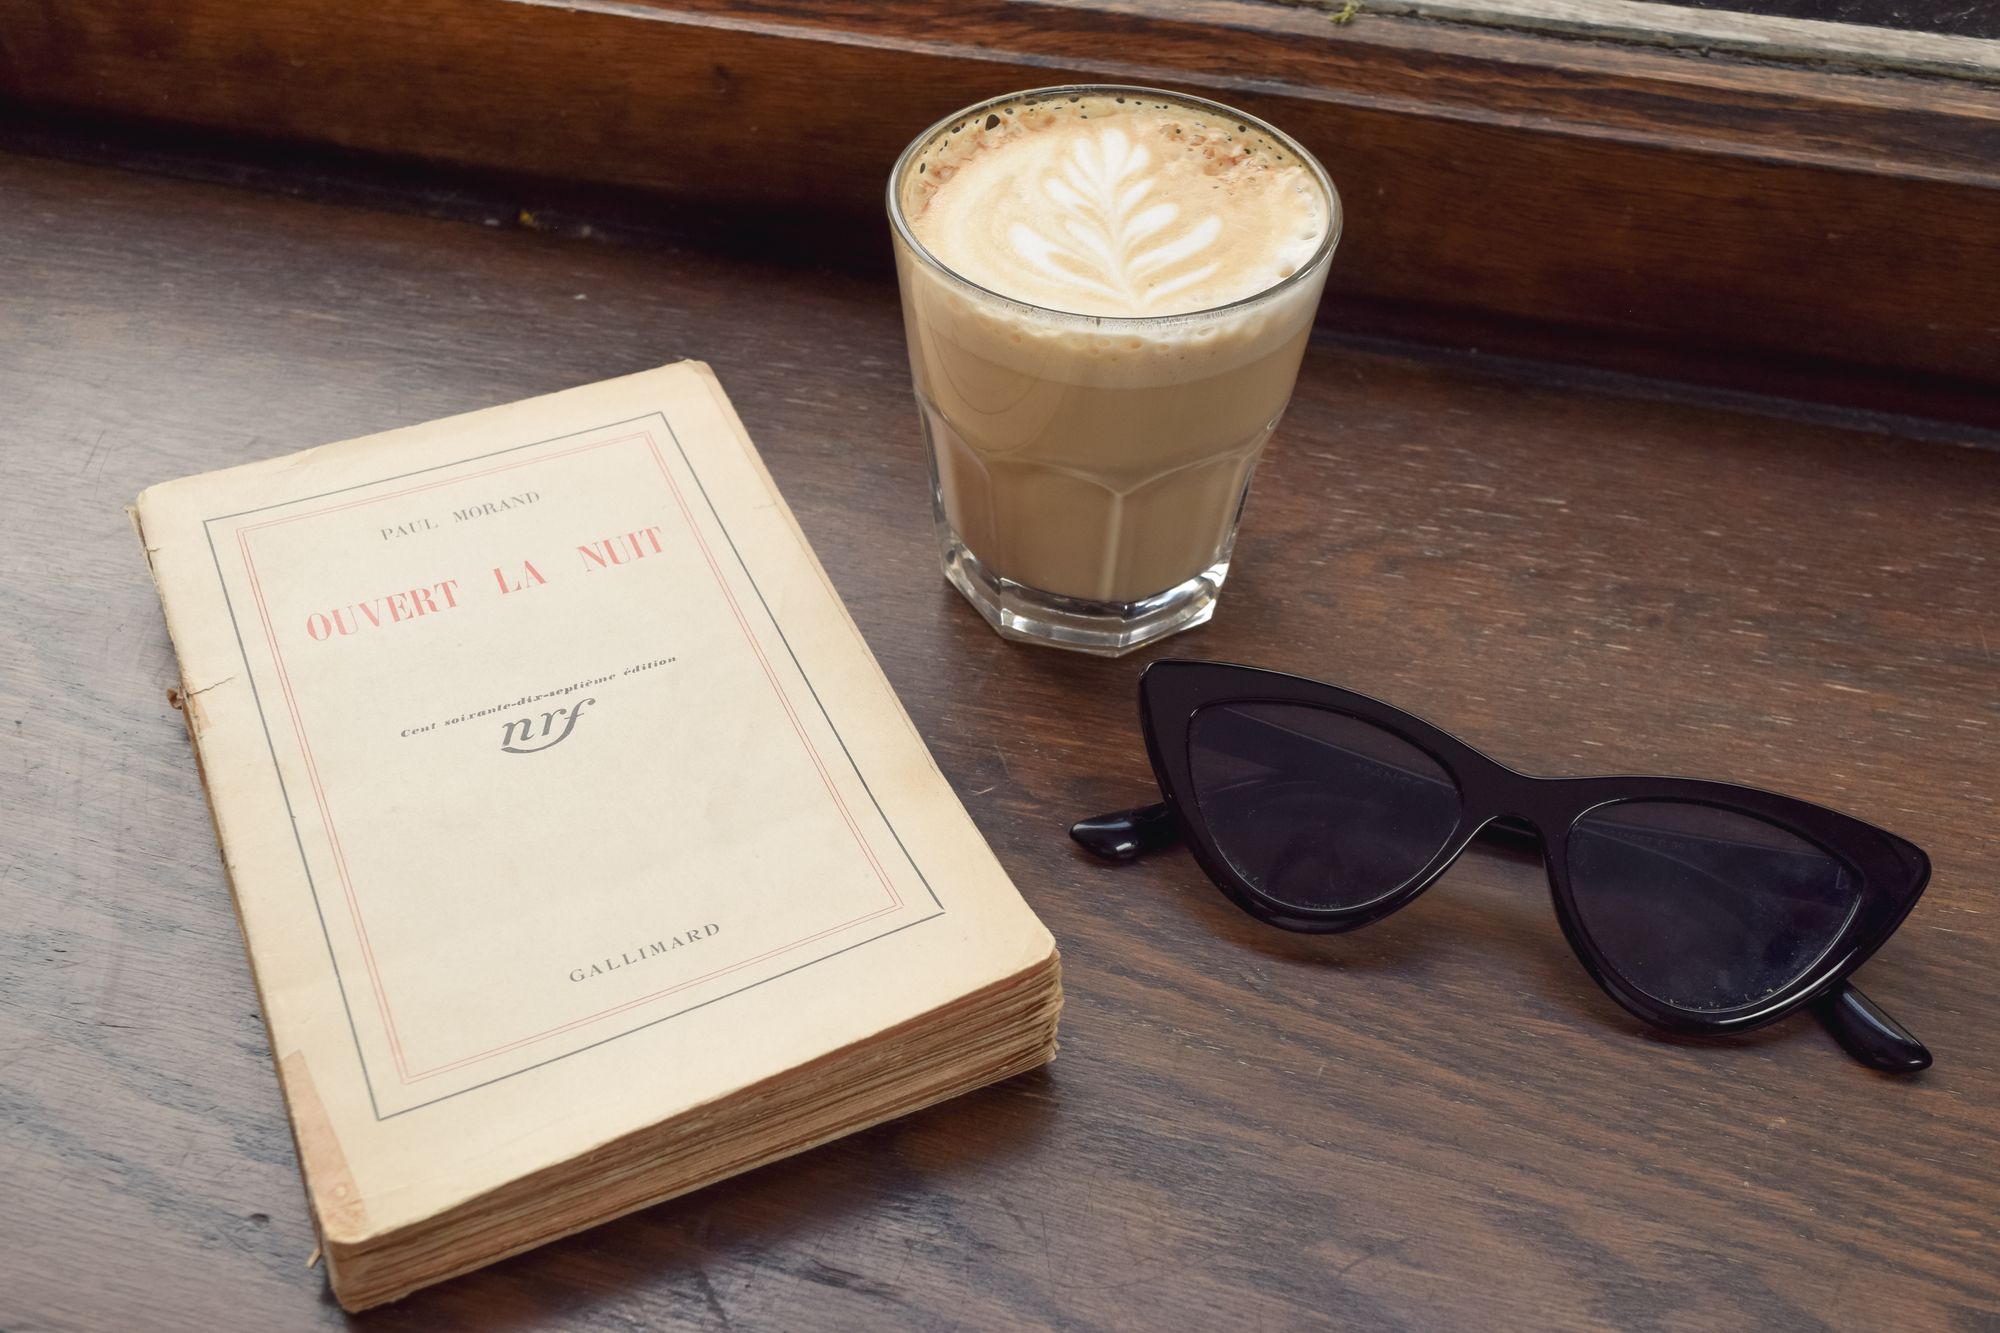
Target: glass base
x=1107, y=629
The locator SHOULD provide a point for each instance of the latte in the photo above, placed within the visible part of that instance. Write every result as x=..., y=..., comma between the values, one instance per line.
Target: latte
x=1116, y=206
x=1107, y=294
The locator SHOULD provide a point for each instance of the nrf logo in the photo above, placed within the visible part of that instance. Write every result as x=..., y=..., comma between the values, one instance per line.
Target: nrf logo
x=520, y=736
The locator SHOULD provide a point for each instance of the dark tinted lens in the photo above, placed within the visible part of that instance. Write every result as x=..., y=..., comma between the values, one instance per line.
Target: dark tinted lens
x=1314, y=808
x=1704, y=908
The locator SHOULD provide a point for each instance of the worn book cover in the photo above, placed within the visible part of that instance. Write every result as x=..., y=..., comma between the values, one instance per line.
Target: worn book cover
x=562, y=801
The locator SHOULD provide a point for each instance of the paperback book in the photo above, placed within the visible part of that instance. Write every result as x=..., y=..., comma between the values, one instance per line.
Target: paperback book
x=583, y=853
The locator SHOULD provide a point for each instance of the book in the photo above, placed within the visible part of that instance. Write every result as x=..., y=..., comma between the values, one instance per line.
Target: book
x=583, y=854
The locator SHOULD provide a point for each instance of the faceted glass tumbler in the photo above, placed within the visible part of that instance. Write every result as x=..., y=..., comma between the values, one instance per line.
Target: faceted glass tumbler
x=1088, y=472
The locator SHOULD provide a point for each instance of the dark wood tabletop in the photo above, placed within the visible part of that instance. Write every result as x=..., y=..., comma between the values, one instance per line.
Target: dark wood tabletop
x=1439, y=1122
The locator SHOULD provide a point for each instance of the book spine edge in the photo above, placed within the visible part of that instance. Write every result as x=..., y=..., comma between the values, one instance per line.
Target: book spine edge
x=185, y=699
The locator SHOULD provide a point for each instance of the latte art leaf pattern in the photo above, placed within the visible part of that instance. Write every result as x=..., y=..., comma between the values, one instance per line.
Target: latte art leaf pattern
x=1095, y=208
x=1104, y=236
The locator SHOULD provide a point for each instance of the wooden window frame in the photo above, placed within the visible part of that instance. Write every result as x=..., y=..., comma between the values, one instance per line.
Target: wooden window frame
x=1819, y=228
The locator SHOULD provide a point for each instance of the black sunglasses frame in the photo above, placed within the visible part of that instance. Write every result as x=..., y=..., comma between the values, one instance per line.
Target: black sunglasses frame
x=1530, y=813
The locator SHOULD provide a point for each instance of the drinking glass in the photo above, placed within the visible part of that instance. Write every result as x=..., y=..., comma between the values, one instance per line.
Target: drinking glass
x=1088, y=472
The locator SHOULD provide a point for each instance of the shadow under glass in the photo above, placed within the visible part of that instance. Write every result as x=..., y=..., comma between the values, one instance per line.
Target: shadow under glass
x=1703, y=908
x=1316, y=809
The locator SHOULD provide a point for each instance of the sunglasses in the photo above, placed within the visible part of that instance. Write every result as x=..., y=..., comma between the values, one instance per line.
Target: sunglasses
x=1699, y=906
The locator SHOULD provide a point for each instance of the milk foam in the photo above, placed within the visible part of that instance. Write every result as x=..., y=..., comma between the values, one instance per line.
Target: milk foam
x=1098, y=206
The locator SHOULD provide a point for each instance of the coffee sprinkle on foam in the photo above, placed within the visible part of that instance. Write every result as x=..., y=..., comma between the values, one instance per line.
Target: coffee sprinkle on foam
x=1146, y=210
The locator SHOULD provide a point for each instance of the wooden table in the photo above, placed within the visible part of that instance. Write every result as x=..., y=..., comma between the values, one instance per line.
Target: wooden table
x=1435, y=1123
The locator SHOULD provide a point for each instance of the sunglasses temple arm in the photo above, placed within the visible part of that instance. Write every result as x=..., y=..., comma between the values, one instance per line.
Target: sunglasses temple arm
x=1126, y=835
x=1868, y=1034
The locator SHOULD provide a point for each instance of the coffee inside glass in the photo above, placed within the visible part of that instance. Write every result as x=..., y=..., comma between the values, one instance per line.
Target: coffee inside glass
x=1107, y=291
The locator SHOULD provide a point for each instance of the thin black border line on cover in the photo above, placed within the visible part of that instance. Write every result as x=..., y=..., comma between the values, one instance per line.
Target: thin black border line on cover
x=298, y=841
x=313, y=886
x=796, y=664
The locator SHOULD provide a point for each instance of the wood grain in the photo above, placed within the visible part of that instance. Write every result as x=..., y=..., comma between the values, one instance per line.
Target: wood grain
x=1435, y=1123
x=1780, y=228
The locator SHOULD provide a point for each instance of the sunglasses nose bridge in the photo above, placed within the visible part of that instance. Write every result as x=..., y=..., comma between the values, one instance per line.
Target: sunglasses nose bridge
x=1514, y=832
x=1524, y=813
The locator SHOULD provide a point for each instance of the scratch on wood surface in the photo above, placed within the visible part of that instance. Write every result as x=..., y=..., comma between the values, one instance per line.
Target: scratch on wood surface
x=712, y=1298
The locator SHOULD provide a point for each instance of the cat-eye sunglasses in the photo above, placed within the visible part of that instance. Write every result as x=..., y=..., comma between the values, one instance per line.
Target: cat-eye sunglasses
x=1699, y=906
